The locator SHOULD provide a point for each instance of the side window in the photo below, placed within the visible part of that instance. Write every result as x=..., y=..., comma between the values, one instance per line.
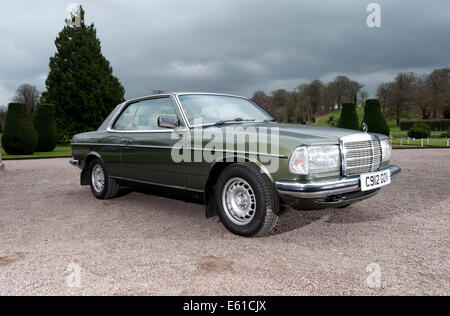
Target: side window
x=147, y=114
x=144, y=115
x=125, y=120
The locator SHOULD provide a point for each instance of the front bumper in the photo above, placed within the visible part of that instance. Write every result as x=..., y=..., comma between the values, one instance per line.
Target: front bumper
x=318, y=189
x=74, y=162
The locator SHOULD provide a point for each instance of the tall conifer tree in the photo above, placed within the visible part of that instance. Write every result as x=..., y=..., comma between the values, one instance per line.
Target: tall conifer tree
x=81, y=82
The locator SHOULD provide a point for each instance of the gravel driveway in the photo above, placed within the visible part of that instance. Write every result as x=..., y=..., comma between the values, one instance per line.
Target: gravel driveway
x=50, y=227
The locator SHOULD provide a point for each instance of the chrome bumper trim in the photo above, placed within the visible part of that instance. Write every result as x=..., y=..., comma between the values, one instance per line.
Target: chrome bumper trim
x=309, y=190
x=74, y=162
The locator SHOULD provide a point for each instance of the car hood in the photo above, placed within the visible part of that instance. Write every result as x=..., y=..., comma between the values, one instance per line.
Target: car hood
x=312, y=134
x=294, y=135
x=306, y=134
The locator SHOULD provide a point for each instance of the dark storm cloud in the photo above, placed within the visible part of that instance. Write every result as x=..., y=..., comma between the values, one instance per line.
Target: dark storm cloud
x=231, y=46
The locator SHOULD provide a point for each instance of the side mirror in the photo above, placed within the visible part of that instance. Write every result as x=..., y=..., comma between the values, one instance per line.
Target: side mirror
x=168, y=121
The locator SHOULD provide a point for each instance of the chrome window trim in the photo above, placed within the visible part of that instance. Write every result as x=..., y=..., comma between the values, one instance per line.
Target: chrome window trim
x=140, y=131
x=210, y=93
x=183, y=114
x=156, y=96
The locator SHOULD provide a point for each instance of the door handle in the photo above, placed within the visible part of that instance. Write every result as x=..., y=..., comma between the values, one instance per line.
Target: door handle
x=126, y=141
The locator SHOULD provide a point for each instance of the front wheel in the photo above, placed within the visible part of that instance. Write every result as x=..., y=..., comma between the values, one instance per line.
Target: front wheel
x=102, y=185
x=247, y=199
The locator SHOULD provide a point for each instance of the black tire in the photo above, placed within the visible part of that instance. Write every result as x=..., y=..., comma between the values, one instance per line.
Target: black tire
x=110, y=187
x=265, y=195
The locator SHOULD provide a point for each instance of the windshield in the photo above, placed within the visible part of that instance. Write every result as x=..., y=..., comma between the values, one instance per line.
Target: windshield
x=202, y=109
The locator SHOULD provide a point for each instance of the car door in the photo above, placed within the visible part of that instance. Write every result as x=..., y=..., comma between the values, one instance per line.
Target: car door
x=146, y=148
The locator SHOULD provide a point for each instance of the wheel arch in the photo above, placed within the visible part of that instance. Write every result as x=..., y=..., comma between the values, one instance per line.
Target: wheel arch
x=84, y=178
x=216, y=169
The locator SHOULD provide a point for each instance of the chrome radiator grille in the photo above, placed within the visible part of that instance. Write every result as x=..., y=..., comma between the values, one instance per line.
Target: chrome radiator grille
x=361, y=153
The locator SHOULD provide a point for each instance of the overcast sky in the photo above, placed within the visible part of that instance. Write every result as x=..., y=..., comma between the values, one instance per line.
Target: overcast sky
x=232, y=46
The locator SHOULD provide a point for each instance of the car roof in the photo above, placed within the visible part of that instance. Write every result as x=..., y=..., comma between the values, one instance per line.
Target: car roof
x=165, y=94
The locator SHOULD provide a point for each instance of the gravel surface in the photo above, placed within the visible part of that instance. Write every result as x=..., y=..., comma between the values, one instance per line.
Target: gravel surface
x=141, y=244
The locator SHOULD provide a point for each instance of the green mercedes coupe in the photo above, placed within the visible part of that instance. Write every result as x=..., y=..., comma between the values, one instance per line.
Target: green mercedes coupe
x=246, y=165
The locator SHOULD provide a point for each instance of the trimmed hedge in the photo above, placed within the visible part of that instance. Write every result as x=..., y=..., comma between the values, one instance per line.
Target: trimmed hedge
x=420, y=130
x=20, y=137
x=374, y=119
x=436, y=125
x=349, y=117
x=45, y=124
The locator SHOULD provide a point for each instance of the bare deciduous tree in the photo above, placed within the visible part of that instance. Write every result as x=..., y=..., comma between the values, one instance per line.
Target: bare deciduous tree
x=29, y=95
x=403, y=94
x=343, y=89
x=265, y=101
x=384, y=94
x=422, y=96
x=362, y=97
x=438, y=84
x=314, y=93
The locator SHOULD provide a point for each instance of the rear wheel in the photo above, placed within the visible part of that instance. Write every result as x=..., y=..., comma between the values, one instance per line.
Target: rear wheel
x=247, y=199
x=102, y=185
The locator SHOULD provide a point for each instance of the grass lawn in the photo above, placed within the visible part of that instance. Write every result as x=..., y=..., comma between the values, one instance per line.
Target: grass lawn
x=60, y=151
x=434, y=142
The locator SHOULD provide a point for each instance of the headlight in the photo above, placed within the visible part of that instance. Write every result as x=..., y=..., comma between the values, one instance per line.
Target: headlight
x=386, y=150
x=315, y=159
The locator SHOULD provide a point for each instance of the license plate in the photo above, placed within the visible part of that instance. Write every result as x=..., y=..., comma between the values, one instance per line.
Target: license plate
x=374, y=180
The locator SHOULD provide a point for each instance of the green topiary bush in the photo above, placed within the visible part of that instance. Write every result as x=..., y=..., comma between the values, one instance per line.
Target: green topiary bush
x=20, y=137
x=45, y=124
x=420, y=130
x=349, y=117
x=374, y=119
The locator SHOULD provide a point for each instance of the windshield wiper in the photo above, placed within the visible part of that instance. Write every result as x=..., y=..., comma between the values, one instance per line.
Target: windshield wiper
x=271, y=120
x=238, y=119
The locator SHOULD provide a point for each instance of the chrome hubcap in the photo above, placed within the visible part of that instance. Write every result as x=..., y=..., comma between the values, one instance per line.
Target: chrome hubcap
x=239, y=201
x=98, y=178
